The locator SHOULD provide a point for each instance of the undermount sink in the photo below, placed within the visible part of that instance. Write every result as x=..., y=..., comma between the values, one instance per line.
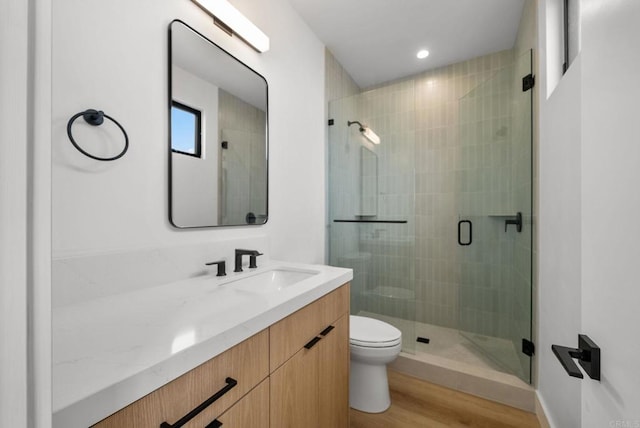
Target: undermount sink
x=273, y=280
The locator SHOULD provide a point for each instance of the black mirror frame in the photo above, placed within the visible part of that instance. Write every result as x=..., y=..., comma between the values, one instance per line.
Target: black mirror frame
x=169, y=150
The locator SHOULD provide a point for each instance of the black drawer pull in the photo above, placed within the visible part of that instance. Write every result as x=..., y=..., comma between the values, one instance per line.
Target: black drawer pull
x=313, y=342
x=326, y=330
x=215, y=424
x=192, y=414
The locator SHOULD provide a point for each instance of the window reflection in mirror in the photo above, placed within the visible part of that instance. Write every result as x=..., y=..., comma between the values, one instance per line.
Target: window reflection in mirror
x=224, y=181
x=185, y=129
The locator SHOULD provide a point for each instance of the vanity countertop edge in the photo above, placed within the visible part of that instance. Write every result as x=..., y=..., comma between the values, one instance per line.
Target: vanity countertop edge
x=93, y=384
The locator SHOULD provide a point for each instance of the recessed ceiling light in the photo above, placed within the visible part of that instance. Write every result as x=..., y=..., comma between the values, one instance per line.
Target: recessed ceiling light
x=422, y=54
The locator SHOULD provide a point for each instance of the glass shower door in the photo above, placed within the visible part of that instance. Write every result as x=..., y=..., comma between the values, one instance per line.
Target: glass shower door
x=371, y=209
x=494, y=198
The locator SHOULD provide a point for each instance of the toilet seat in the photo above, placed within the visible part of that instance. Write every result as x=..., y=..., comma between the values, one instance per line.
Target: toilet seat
x=372, y=333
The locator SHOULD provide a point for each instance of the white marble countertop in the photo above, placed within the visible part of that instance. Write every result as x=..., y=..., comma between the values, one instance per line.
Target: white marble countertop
x=111, y=351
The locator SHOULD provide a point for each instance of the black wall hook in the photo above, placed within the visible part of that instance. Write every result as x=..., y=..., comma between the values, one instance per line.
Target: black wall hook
x=517, y=221
x=96, y=118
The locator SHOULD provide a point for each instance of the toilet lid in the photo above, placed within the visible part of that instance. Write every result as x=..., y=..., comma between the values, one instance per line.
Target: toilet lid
x=372, y=333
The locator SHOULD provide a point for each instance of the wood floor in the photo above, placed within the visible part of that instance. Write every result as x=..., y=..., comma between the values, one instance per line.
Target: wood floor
x=416, y=404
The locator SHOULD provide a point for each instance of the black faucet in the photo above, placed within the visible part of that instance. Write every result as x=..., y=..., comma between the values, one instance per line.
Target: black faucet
x=252, y=259
x=221, y=267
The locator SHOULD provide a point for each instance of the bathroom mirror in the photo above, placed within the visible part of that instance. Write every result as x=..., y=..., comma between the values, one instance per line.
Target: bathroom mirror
x=218, y=139
x=368, y=182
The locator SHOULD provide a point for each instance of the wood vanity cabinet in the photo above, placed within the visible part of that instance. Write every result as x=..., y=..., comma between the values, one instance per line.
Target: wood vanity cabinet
x=309, y=359
x=292, y=374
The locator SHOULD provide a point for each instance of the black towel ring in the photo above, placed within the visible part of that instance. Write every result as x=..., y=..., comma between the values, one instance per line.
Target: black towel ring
x=96, y=118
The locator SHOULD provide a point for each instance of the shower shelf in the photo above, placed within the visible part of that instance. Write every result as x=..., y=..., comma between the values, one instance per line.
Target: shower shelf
x=515, y=220
x=370, y=221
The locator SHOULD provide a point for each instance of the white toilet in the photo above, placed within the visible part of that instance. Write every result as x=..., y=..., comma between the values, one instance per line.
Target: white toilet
x=373, y=345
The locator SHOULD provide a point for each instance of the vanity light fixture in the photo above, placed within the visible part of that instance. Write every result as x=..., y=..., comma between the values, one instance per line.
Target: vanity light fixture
x=422, y=54
x=232, y=21
x=366, y=132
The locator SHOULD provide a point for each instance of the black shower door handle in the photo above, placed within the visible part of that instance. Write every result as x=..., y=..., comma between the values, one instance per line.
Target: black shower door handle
x=460, y=232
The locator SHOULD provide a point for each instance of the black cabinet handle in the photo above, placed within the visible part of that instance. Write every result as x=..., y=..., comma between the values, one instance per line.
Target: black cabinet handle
x=215, y=424
x=317, y=339
x=326, y=330
x=460, y=233
x=231, y=383
x=313, y=342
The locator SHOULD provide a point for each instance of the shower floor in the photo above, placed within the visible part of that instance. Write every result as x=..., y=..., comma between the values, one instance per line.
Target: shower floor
x=455, y=346
x=452, y=360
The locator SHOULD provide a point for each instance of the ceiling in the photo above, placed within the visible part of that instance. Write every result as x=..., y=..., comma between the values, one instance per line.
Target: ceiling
x=376, y=41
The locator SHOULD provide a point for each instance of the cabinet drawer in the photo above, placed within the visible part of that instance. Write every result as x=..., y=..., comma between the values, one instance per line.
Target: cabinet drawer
x=292, y=333
x=247, y=363
x=311, y=389
x=294, y=391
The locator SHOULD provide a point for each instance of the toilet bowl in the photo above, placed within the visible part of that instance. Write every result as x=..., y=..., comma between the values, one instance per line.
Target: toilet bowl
x=373, y=345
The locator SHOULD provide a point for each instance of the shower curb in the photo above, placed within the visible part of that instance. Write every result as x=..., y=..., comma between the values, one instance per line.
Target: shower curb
x=495, y=386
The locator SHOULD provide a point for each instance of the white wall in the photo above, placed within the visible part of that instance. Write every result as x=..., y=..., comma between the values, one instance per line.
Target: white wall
x=588, y=252
x=25, y=260
x=559, y=286
x=109, y=59
x=13, y=214
x=559, y=252
x=610, y=197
